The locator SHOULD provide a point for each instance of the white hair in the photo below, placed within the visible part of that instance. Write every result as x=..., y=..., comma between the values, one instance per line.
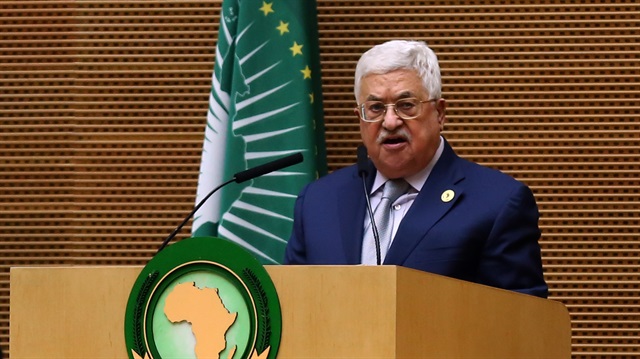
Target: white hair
x=397, y=55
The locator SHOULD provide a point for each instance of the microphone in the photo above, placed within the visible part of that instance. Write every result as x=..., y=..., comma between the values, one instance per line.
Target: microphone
x=239, y=177
x=268, y=167
x=363, y=169
x=363, y=172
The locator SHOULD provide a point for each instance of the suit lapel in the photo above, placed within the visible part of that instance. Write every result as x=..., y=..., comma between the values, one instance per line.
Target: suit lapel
x=433, y=202
x=352, y=209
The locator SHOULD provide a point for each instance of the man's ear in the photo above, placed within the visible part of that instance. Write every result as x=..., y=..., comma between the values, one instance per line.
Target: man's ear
x=441, y=107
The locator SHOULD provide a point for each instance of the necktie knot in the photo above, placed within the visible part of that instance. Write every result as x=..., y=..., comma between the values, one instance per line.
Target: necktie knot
x=394, y=189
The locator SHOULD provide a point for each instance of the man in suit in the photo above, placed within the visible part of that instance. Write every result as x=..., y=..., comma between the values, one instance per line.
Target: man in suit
x=455, y=218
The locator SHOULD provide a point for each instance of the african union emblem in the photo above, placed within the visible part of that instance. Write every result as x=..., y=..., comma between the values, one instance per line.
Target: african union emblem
x=203, y=297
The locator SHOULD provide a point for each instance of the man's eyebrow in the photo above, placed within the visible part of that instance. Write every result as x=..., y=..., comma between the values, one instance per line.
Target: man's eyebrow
x=406, y=94
x=401, y=95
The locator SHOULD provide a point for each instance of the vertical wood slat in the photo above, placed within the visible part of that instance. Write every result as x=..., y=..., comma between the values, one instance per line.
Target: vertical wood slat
x=103, y=106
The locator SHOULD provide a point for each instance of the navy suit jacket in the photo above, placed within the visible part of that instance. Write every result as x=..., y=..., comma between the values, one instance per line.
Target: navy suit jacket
x=487, y=234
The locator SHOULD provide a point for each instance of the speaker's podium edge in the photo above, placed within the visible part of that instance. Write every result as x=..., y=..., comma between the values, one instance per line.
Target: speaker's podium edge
x=327, y=312
x=396, y=312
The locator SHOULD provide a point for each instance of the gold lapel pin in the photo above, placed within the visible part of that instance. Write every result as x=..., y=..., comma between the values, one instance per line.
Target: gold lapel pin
x=447, y=196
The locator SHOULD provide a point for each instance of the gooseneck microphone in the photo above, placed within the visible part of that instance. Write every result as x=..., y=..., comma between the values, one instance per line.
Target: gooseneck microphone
x=239, y=177
x=363, y=172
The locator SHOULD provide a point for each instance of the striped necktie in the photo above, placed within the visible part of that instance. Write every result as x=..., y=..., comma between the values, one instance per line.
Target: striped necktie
x=382, y=217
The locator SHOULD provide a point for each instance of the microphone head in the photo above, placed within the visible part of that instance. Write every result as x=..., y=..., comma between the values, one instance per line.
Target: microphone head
x=362, y=161
x=268, y=167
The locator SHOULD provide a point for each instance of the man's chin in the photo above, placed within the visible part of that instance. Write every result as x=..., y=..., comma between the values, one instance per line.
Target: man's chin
x=393, y=168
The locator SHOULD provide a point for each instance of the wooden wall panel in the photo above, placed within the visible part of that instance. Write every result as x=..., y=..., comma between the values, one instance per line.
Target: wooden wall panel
x=103, y=105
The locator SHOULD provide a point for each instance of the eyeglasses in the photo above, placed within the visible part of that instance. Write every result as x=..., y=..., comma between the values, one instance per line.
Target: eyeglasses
x=406, y=109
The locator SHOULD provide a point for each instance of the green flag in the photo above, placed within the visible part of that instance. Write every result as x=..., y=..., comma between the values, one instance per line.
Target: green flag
x=265, y=103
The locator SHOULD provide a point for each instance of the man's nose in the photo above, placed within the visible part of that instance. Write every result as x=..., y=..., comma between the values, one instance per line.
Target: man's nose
x=391, y=119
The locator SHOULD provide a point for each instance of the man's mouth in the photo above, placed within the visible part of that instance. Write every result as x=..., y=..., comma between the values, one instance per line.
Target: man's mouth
x=394, y=140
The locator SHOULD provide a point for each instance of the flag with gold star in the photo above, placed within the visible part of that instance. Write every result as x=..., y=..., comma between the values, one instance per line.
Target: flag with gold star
x=265, y=103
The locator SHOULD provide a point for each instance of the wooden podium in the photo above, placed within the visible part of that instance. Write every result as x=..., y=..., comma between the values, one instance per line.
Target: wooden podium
x=327, y=312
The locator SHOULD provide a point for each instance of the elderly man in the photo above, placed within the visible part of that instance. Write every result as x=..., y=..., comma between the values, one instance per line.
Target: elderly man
x=434, y=211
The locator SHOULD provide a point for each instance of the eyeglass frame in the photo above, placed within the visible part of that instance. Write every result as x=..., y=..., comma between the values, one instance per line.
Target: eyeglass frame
x=380, y=118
